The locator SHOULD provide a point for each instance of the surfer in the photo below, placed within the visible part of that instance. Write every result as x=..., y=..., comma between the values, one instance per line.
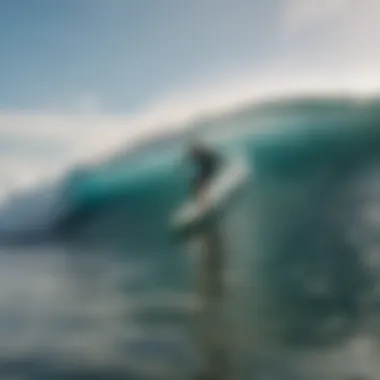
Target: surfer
x=206, y=162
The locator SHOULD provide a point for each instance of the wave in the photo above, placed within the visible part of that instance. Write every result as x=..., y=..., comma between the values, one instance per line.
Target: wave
x=305, y=236
x=282, y=137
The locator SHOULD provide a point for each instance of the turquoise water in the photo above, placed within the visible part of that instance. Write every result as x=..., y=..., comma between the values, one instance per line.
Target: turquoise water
x=301, y=246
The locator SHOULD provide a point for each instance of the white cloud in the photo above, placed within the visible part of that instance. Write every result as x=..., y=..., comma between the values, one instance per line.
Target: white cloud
x=346, y=24
x=331, y=39
x=301, y=14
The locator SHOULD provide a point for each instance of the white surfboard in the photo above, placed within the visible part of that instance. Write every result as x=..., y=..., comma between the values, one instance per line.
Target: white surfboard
x=230, y=179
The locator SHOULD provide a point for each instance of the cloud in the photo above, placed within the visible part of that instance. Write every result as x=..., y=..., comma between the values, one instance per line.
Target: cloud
x=301, y=14
x=344, y=24
x=331, y=39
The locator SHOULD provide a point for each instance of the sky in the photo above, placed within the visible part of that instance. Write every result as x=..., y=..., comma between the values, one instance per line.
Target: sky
x=121, y=54
x=80, y=76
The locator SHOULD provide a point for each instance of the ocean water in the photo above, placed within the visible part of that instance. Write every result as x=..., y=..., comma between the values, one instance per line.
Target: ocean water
x=95, y=285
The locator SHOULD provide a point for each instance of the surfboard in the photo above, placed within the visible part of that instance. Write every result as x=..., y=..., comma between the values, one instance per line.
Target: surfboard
x=218, y=196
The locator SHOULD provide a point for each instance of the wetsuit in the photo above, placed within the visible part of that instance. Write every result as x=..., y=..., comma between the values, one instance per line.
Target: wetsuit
x=206, y=164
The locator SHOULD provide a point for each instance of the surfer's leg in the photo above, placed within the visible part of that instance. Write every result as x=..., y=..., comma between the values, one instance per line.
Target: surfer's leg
x=212, y=339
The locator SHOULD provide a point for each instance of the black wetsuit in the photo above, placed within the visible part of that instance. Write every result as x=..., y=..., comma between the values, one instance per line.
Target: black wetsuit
x=206, y=164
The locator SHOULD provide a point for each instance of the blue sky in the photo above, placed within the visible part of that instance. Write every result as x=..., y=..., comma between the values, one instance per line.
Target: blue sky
x=89, y=75
x=126, y=52
x=123, y=54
